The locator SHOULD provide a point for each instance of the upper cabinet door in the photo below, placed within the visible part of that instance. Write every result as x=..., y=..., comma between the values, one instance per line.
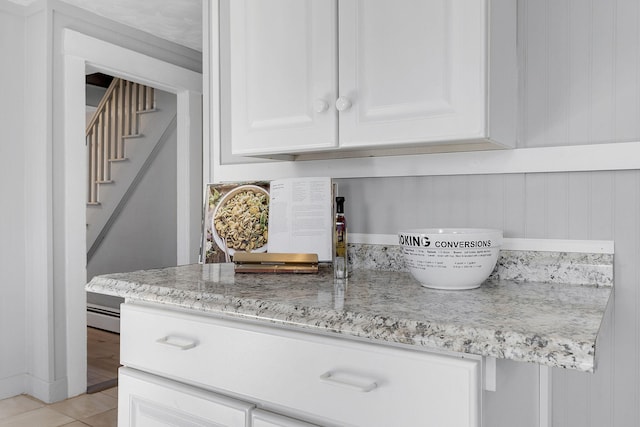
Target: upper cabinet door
x=283, y=75
x=411, y=71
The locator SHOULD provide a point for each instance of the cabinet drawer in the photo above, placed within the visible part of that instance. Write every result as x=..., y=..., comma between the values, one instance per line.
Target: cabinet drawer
x=322, y=379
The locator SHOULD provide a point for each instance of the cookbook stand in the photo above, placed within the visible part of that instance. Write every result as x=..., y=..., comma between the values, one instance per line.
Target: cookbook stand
x=248, y=262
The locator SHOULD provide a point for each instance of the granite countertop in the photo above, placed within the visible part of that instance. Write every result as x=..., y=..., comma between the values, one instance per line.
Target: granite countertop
x=553, y=324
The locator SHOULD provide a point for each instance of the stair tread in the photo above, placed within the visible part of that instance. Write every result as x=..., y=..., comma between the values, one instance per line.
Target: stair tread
x=120, y=159
x=93, y=203
x=105, y=182
x=147, y=111
x=135, y=135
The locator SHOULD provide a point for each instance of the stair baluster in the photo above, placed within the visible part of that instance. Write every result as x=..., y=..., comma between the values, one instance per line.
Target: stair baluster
x=134, y=106
x=150, y=105
x=106, y=136
x=121, y=131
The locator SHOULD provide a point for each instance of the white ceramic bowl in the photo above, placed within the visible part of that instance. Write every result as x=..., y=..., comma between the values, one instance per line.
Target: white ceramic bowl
x=451, y=258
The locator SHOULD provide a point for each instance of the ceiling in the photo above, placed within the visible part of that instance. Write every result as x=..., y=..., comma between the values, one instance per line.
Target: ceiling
x=179, y=21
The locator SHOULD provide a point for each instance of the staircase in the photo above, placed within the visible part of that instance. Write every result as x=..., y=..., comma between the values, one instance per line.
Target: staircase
x=126, y=132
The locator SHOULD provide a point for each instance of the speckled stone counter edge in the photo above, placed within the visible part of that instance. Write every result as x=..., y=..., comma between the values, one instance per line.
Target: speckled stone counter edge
x=529, y=266
x=516, y=266
x=511, y=345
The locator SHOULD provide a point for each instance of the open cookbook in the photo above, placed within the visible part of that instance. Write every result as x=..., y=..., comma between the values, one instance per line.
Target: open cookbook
x=293, y=215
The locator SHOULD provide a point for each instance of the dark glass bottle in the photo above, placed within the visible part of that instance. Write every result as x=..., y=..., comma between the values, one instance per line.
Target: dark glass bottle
x=340, y=261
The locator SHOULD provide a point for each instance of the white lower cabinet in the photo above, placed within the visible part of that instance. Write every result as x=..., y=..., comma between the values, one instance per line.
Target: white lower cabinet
x=315, y=378
x=150, y=401
x=260, y=418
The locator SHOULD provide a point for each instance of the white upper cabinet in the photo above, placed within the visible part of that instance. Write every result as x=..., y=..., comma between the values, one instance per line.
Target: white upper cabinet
x=412, y=71
x=382, y=76
x=283, y=75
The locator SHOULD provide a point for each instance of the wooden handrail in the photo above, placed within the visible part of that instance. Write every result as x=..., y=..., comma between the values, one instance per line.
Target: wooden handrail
x=107, y=96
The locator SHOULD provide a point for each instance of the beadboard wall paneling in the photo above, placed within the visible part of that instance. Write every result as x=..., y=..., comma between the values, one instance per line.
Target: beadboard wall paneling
x=626, y=392
x=578, y=205
x=386, y=205
x=579, y=72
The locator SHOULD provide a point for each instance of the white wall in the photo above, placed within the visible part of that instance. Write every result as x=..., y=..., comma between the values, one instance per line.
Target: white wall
x=94, y=95
x=579, y=63
x=12, y=223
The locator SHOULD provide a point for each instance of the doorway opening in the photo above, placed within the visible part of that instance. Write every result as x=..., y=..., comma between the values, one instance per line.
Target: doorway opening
x=131, y=199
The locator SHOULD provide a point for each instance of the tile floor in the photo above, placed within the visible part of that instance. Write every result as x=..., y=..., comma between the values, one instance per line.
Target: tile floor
x=96, y=410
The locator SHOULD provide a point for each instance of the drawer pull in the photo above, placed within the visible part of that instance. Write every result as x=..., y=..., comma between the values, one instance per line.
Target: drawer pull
x=349, y=380
x=177, y=342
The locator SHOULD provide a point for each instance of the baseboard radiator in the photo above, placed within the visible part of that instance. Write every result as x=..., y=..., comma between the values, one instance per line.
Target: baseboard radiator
x=103, y=317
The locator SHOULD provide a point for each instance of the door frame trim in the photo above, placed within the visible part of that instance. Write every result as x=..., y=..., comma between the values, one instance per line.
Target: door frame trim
x=80, y=53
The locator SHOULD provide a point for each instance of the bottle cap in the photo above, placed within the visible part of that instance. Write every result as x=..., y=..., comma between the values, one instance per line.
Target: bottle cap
x=340, y=204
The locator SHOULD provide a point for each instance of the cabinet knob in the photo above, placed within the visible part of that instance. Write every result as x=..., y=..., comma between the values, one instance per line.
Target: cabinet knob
x=343, y=103
x=320, y=106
